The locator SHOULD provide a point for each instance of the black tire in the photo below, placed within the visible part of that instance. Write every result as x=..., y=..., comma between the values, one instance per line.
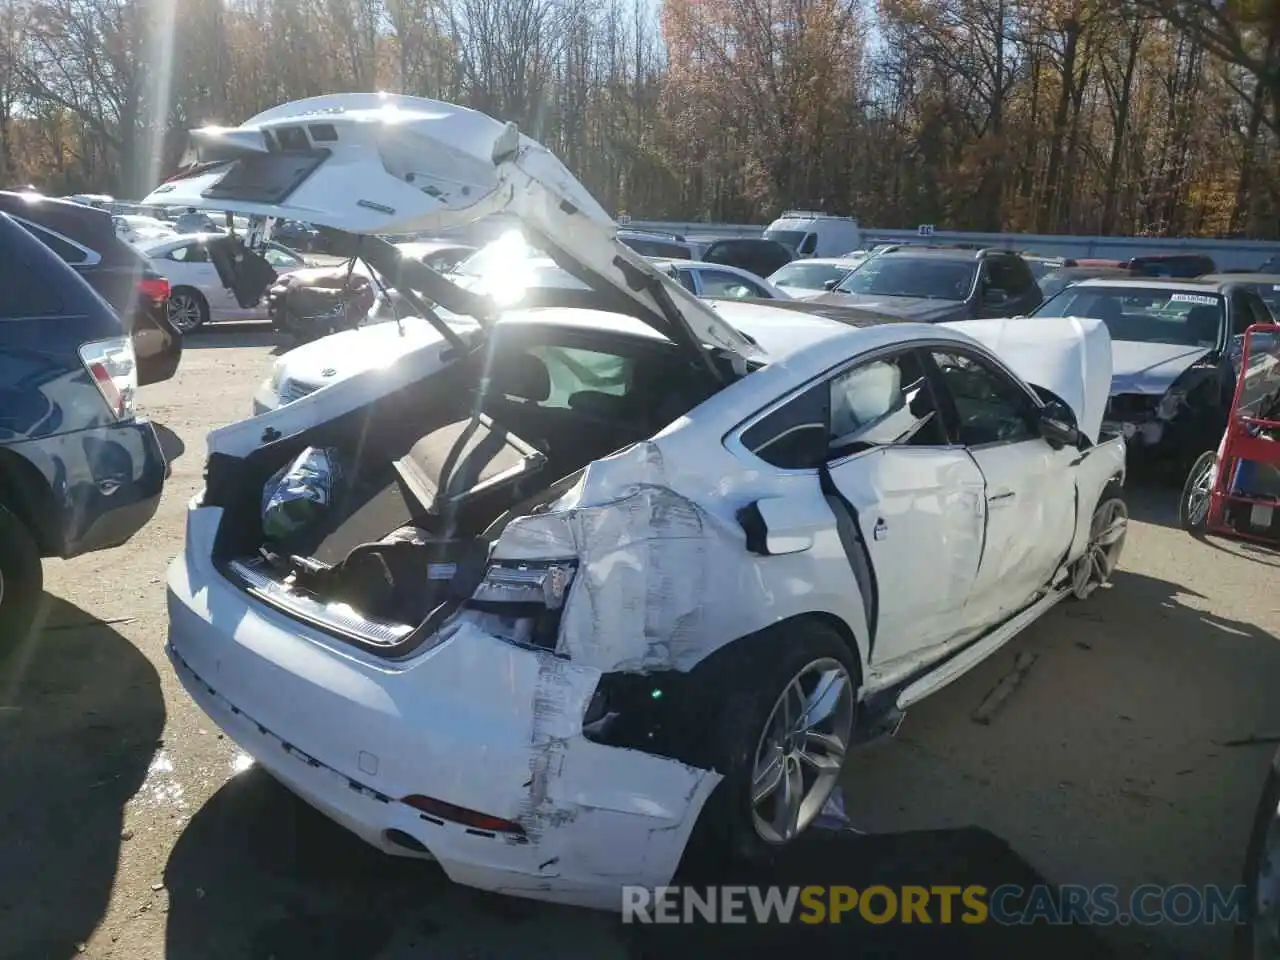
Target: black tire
x=1187, y=518
x=1263, y=819
x=188, y=295
x=1112, y=494
x=21, y=582
x=754, y=672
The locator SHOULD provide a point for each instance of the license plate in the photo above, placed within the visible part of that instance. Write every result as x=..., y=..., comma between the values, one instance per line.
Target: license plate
x=1260, y=515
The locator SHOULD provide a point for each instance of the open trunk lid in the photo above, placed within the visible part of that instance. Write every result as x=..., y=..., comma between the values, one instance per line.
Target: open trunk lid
x=373, y=164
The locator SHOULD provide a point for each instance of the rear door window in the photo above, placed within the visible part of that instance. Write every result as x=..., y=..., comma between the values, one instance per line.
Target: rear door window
x=25, y=290
x=722, y=283
x=71, y=253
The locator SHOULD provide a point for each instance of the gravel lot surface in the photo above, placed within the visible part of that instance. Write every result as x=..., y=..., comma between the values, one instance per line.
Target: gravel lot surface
x=130, y=828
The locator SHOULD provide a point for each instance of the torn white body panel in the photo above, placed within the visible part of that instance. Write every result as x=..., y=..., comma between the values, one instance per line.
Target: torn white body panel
x=664, y=577
x=477, y=722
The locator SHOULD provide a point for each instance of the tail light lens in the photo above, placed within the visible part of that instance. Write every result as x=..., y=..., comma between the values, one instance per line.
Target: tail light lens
x=115, y=373
x=521, y=601
x=154, y=288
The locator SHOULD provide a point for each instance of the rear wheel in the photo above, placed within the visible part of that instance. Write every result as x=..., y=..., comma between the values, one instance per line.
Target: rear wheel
x=21, y=581
x=781, y=739
x=1259, y=936
x=1107, y=530
x=1193, y=508
x=188, y=309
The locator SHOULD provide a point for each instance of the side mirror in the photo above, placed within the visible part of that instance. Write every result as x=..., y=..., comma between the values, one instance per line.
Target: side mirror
x=1058, y=425
x=829, y=284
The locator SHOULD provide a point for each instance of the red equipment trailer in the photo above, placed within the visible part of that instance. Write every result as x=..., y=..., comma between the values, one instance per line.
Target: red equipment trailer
x=1235, y=490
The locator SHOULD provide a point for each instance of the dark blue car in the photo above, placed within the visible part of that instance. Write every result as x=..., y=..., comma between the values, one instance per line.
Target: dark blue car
x=78, y=470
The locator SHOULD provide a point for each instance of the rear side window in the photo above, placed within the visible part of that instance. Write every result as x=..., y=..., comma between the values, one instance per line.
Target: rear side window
x=25, y=290
x=191, y=253
x=69, y=252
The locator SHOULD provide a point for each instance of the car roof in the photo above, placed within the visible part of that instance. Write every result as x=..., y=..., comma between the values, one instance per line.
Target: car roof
x=1241, y=277
x=931, y=253
x=826, y=262
x=778, y=332
x=1196, y=286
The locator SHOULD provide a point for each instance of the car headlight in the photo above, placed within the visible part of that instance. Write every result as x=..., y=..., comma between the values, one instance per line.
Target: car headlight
x=1173, y=401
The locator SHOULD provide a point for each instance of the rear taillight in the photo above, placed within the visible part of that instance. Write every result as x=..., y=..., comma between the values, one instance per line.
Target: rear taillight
x=154, y=288
x=111, y=365
x=522, y=601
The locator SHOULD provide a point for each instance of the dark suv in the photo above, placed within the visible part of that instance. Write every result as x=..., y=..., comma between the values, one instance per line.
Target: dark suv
x=78, y=471
x=85, y=238
x=933, y=284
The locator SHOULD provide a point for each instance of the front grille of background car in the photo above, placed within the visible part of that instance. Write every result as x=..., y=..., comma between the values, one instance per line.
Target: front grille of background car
x=292, y=390
x=1131, y=406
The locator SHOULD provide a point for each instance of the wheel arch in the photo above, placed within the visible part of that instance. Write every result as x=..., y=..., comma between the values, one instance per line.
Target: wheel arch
x=26, y=494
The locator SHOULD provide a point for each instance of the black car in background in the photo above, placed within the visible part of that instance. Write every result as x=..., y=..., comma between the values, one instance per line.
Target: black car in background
x=756, y=255
x=78, y=470
x=1055, y=280
x=1184, y=265
x=85, y=239
x=933, y=284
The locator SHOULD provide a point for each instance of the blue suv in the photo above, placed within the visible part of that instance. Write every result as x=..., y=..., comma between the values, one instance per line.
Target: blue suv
x=78, y=470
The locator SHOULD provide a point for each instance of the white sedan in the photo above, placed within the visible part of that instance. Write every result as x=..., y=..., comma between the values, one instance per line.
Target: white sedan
x=806, y=279
x=587, y=578
x=138, y=230
x=198, y=292
x=719, y=280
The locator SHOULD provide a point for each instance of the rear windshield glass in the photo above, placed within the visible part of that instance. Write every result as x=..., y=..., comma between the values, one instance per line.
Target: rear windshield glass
x=1144, y=314
x=266, y=177
x=934, y=279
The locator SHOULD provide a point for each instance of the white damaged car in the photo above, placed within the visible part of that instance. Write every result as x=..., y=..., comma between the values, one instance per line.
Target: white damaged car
x=590, y=577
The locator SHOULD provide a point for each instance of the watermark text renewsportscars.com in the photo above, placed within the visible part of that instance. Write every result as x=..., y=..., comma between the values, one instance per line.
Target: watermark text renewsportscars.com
x=1009, y=904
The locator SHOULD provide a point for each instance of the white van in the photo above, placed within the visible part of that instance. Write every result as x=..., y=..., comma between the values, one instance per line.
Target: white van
x=815, y=234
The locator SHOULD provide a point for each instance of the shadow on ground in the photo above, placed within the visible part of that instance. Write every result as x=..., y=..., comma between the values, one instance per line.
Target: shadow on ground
x=237, y=333
x=258, y=874
x=80, y=716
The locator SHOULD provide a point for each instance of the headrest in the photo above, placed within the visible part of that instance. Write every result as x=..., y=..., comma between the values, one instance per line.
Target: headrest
x=521, y=375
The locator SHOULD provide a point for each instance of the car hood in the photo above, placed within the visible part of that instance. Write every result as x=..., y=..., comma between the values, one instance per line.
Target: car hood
x=1071, y=356
x=391, y=164
x=920, y=309
x=1150, y=368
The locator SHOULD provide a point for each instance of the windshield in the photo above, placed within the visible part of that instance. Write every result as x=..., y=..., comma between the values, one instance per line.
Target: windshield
x=809, y=276
x=891, y=276
x=1270, y=294
x=1143, y=314
x=792, y=238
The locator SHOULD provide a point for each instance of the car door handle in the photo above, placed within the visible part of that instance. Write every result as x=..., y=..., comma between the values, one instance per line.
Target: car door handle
x=1004, y=496
x=880, y=530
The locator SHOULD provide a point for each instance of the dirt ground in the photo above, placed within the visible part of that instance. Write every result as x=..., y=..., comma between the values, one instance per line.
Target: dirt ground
x=130, y=828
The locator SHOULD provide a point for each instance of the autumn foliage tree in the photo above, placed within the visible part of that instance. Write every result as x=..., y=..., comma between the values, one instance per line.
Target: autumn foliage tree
x=1072, y=116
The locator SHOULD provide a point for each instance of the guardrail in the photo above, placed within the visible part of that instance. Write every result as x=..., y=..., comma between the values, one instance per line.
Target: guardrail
x=1227, y=254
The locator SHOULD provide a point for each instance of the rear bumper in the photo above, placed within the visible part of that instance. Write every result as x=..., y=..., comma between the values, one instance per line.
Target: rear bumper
x=474, y=721
x=104, y=484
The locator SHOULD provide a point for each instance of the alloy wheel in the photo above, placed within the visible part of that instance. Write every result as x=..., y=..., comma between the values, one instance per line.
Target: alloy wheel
x=1106, y=539
x=1199, y=488
x=801, y=750
x=184, y=312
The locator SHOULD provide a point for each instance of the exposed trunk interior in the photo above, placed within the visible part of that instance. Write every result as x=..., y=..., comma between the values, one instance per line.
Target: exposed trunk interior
x=431, y=474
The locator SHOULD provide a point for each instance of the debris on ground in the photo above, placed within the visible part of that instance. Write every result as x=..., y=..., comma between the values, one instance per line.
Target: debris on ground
x=1004, y=689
